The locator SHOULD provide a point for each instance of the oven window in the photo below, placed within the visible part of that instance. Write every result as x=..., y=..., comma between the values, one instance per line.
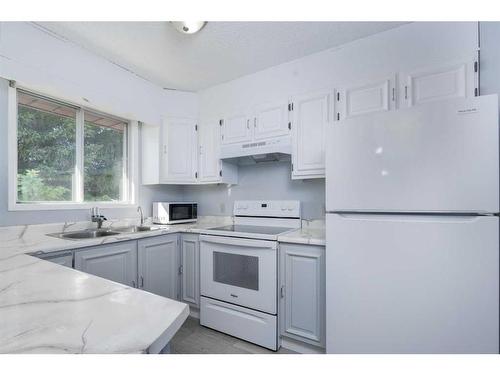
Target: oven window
x=181, y=211
x=237, y=270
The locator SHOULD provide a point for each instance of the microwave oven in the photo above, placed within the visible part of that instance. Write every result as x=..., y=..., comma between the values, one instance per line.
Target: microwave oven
x=174, y=212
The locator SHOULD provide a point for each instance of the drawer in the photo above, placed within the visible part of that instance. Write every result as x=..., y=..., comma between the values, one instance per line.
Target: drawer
x=254, y=326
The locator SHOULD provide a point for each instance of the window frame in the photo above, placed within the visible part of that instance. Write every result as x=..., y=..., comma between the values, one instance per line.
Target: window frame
x=130, y=160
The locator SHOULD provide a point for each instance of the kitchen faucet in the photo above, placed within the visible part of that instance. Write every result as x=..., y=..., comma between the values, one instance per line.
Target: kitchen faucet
x=139, y=209
x=96, y=217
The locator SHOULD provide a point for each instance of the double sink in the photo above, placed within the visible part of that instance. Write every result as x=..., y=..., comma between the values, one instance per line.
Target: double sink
x=97, y=233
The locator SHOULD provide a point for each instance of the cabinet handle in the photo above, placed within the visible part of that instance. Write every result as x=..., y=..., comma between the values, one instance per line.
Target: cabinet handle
x=255, y=122
x=248, y=124
x=282, y=291
x=406, y=92
x=164, y=149
x=142, y=282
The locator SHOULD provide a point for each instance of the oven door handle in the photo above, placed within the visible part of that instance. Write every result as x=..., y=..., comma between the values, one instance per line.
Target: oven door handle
x=261, y=244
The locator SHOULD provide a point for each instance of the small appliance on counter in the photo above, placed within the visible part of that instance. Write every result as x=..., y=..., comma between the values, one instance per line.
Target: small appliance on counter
x=175, y=212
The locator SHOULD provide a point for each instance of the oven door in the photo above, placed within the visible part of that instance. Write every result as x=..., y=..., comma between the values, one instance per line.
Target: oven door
x=239, y=271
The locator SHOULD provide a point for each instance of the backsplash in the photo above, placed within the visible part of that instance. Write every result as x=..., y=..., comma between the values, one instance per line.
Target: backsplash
x=269, y=181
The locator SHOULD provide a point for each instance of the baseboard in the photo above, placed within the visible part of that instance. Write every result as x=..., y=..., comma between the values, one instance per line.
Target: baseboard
x=194, y=312
x=300, y=347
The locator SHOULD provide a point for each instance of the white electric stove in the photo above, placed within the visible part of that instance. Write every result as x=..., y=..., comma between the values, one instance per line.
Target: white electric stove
x=239, y=270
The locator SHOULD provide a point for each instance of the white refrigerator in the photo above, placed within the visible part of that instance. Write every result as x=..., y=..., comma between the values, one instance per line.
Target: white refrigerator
x=412, y=230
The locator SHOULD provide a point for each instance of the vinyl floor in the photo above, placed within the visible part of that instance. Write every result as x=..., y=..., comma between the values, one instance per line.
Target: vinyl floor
x=193, y=338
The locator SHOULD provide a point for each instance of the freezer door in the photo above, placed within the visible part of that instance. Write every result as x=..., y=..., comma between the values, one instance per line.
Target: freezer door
x=440, y=156
x=402, y=284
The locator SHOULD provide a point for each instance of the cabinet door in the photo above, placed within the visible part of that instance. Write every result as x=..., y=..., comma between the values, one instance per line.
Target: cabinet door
x=190, y=269
x=302, y=270
x=310, y=118
x=455, y=80
x=64, y=259
x=179, y=151
x=271, y=120
x=236, y=128
x=150, y=154
x=159, y=265
x=363, y=99
x=209, y=151
x=117, y=262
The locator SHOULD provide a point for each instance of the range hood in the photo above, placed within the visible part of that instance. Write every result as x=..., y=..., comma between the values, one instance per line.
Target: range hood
x=259, y=151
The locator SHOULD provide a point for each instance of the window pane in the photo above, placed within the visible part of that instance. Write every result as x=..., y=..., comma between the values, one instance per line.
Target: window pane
x=46, y=149
x=104, y=139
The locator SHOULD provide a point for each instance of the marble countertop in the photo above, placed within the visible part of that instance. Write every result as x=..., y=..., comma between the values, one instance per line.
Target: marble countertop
x=48, y=308
x=311, y=233
x=33, y=239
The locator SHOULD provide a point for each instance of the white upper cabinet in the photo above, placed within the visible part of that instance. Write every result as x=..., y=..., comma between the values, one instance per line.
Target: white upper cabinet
x=209, y=151
x=264, y=121
x=210, y=167
x=236, y=128
x=271, y=120
x=150, y=144
x=179, y=151
x=310, y=118
x=448, y=81
x=366, y=98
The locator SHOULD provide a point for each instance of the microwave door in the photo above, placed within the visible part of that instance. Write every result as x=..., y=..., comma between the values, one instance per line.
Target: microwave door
x=181, y=211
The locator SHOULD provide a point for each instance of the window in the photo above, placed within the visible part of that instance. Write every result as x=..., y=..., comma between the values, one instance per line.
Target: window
x=68, y=155
x=46, y=147
x=104, y=158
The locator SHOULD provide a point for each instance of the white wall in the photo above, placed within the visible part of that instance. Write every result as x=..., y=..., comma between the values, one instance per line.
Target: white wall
x=406, y=48
x=42, y=61
x=46, y=63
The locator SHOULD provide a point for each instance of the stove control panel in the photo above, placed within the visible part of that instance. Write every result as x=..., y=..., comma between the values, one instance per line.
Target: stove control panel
x=263, y=208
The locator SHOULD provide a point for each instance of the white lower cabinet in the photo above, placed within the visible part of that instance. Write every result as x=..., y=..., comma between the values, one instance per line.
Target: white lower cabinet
x=158, y=265
x=64, y=259
x=190, y=269
x=302, y=293
x=116, y=262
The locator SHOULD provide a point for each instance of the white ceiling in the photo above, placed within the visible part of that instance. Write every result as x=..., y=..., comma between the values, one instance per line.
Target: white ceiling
x=220, y=52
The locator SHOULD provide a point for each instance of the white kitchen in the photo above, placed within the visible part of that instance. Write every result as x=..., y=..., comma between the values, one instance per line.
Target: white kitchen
x=301, y=186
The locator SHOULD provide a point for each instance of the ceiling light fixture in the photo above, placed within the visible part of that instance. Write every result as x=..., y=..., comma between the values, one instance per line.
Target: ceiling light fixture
x=188, y=27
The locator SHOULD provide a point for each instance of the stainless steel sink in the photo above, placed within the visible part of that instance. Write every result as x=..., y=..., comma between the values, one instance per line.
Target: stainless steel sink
x=85, y=234
x=135, y=229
